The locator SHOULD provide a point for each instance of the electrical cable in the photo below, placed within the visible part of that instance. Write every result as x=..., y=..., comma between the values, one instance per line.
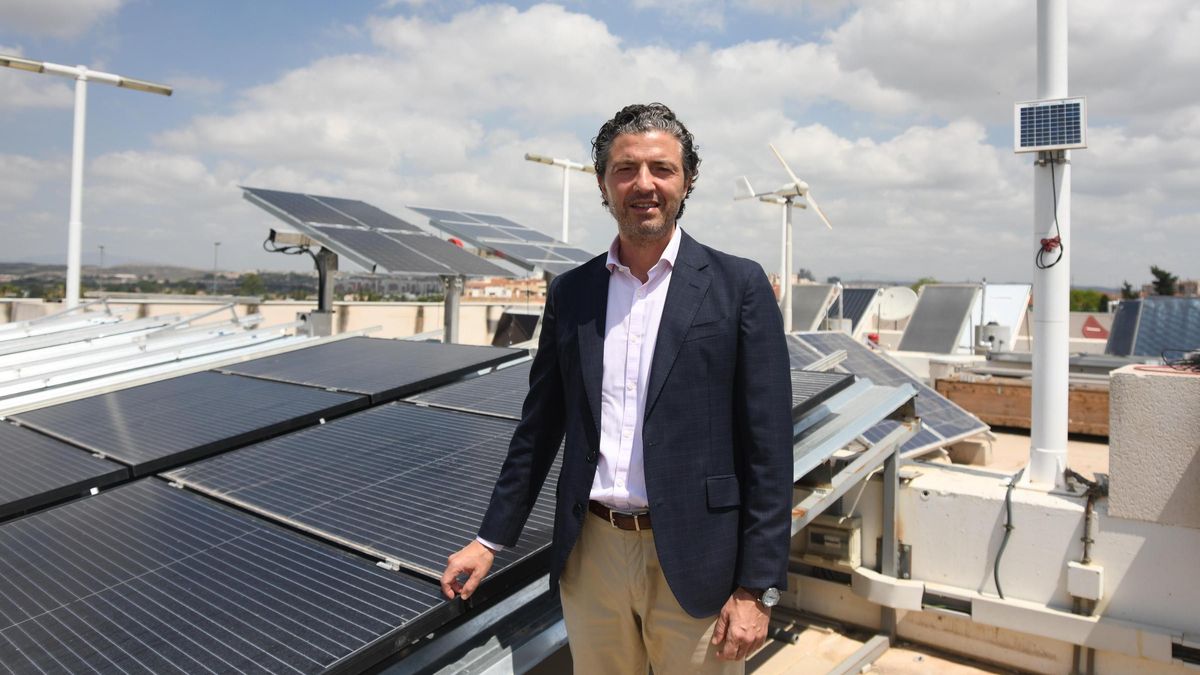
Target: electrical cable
x=1051, y=244
x=1008, y=528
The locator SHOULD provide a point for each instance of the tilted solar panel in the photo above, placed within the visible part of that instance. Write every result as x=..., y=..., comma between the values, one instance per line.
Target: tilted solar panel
x=940, y=318
x=367, y=215
x=382, y=369
x=943, y=421
x=810, y=389
x=36, y=470
x=148, y=578
x=455, y=258
x=508, y=239
x=501, y=393
x=166, y=423
x=1124, y=328
x=854, y=305
x=1168, y=324
x=809, y=305
x=386, y=252
x=302, y=207
x=406, y=483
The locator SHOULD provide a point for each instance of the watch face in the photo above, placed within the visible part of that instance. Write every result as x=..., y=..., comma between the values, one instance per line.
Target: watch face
x=770, y=597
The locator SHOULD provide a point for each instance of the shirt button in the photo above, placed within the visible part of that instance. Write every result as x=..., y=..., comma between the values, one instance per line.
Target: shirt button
x=641, y=293
x=627, y=433
x=630, y=386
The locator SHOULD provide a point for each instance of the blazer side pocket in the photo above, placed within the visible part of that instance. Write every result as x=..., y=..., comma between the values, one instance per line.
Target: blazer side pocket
x=723, y=492
x=699, y=331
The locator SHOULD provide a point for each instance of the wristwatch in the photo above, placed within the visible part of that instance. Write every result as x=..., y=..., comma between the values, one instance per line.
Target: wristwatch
x=769, y=597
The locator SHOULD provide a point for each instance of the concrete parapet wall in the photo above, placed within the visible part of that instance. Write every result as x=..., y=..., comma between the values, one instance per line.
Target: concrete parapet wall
x=1154, y=446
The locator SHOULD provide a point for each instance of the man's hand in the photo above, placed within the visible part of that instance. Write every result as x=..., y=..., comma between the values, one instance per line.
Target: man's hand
x=475, y=560
x=742, y=626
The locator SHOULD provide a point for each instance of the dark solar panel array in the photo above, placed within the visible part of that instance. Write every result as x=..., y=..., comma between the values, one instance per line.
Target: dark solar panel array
x=855, y=303
x=942, y=419
x=522, y=245
x=1124, y=328
x=169, y=422
x=810, y=389
x=36, y=470
x=501, y=393
x=1167, y=324
x=407, y=483
x=151, y=579
x=809, y=304
x=382, y=369
x=939, y=319
x=370, y=236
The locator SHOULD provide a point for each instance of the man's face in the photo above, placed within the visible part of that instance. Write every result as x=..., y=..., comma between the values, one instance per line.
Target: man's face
x=644, y=184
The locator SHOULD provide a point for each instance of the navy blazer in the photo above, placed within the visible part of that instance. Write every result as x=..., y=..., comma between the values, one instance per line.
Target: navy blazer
x=717, y=433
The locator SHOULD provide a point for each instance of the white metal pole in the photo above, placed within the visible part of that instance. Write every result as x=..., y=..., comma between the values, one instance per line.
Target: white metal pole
x=783, y=261
x=787, y=270
x=75, y=221
x=1051, y=287
x=566, y=201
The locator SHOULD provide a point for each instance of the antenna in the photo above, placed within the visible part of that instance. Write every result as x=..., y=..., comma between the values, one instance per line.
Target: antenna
x=784, y=196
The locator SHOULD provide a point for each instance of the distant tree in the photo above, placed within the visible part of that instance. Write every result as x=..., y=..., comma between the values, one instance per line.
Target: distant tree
x=829, y=280
x=1087, y=300
x=922, y=281
x=1164, y=281
x=806, y=273
x=251, y=284
x=1127, y=291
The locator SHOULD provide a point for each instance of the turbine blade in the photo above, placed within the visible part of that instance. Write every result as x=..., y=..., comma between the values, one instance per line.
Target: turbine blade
x=787, y=168
x=742, y=188
x=809, y=198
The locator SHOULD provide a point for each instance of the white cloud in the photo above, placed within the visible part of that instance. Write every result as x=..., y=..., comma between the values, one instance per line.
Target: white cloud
x=20, y=89
x=57, y=18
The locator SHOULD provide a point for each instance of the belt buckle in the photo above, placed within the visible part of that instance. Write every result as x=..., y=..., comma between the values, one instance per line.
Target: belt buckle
x=612, y=518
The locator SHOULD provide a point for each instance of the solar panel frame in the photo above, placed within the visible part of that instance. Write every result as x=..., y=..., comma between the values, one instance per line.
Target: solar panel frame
x=943, y=421
x=383, y=370
x=385, y=251
x=301, y=207
x=457, y=260
x=512, y=237
x=162, y=424
x=39, y=471
x=810, y=303
x=855, y=304
x=150, y=578
x=942, y=314
x=408, y=484
x=811, y=389
x=500, y=393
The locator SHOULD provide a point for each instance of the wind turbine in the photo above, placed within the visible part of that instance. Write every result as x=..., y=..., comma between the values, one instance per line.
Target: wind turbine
x=786, y=197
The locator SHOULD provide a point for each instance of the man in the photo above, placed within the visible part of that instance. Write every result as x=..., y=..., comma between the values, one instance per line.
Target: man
x=664, y=365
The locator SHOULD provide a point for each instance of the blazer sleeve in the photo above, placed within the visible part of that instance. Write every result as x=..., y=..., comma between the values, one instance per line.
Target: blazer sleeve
x=535, y=441
x=762, y=400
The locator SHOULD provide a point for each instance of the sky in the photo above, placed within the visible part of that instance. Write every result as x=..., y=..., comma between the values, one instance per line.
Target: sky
x=898, y=115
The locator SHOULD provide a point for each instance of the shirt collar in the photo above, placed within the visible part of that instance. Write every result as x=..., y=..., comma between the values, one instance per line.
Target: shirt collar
x=669, y=253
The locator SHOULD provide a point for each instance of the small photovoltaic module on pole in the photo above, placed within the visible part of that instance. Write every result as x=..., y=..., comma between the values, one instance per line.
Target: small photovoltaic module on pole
x=1052, y=124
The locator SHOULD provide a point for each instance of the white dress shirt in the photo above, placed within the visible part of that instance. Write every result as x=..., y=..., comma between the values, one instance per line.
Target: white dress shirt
x=630, y=333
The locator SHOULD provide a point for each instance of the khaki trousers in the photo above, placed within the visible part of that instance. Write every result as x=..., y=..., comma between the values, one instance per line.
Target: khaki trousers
x=622, y=617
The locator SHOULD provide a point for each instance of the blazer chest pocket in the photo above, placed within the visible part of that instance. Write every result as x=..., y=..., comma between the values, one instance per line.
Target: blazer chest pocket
x=699, y=331
x=723, y=492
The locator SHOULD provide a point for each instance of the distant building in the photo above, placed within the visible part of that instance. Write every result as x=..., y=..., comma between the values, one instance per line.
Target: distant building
x=517, y=290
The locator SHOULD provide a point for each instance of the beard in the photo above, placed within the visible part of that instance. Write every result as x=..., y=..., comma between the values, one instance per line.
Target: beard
x=636, y=229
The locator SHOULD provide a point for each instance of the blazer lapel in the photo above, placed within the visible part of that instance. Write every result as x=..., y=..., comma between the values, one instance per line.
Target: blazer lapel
x=593, y=315
x=689, y=284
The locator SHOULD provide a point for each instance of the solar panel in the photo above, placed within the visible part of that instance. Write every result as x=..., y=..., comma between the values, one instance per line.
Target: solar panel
x=508, y=239
x=810, y=389
x=500, y=393
x=1006, y=304
x=406, y=483
x=38, y=470
x=943, y=421
x=855, y=303
x=1167, y=324
x=370, y=236
x=384, y=251
x=165, y=423
x=368, y=215
x=301, y=207
x=382, y=369
x=151, y=579
x=810, y=302
x=1050, y=125
x=940, y=318
x=1124, y=328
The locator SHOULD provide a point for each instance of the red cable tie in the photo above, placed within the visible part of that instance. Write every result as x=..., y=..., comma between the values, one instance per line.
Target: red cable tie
x=1048, y=245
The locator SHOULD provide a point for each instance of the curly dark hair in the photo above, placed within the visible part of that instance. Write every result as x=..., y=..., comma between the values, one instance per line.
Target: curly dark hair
x=640, y=118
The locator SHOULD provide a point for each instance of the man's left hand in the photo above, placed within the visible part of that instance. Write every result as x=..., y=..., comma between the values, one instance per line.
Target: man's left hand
x=742, y=626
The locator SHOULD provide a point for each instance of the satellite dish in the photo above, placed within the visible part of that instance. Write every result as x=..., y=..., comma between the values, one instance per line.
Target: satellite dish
x=896, y=303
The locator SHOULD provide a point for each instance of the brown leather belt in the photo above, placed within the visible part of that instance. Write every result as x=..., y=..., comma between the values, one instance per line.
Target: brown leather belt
x=619, y=520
